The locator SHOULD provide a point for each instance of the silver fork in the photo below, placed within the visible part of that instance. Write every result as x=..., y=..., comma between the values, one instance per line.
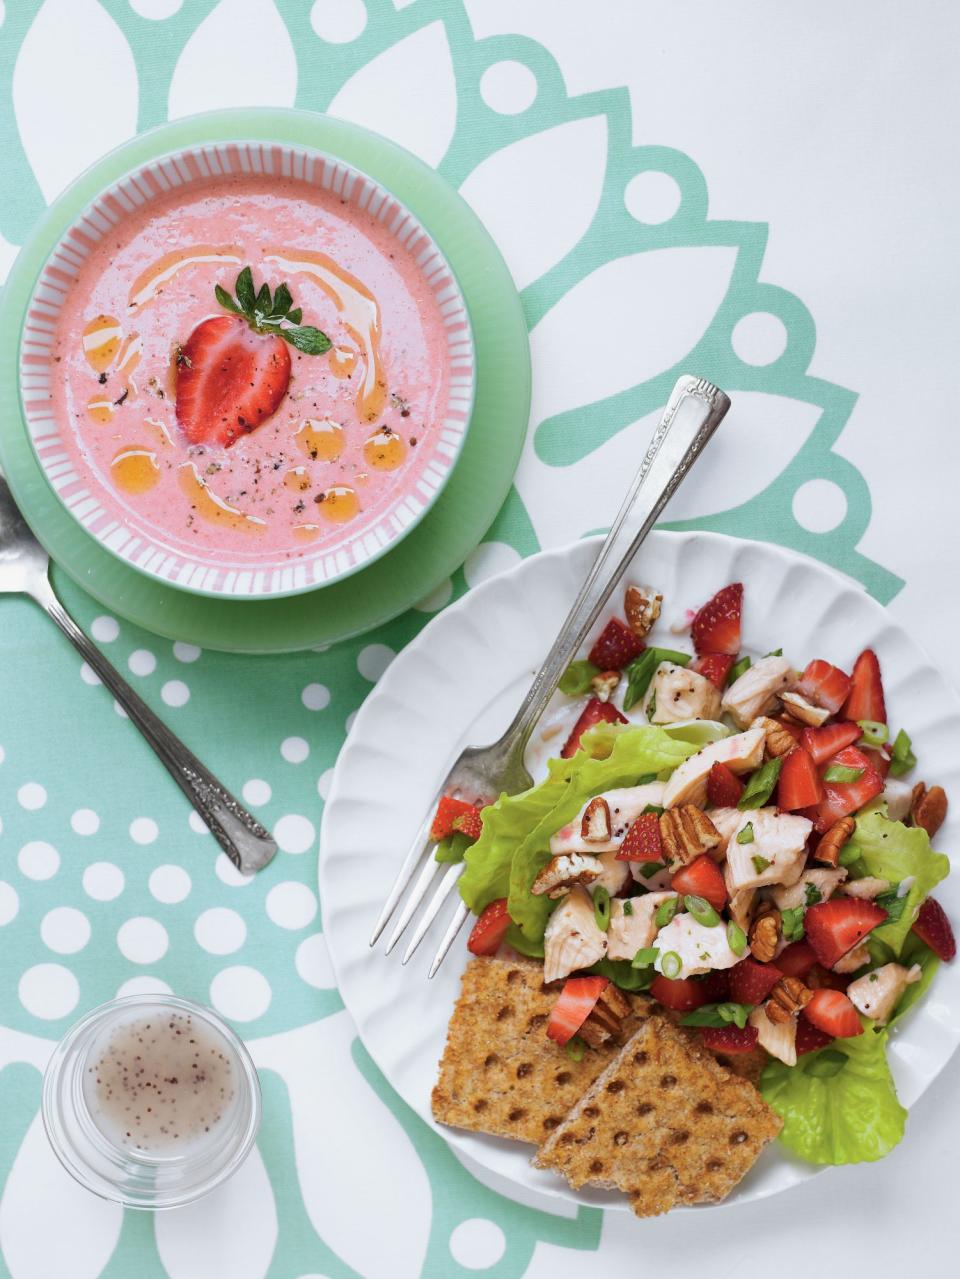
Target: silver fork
x=481, y=773
x=24, y=570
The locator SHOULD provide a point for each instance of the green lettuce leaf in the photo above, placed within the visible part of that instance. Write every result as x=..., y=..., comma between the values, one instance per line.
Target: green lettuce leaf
x=514, y=845
x=893, y=851
x=913, y=951
x=847, y=1118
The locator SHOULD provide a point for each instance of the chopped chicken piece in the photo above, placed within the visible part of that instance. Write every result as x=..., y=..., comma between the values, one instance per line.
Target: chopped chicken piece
x=654, y=882
x=681, y=693
x=876, y=994
x=825, y=881
x=868, y=887
x=755, y=692
x=573, y=939
x=630, y=932
x=740, y=907
x=741, y=753
x=775, y=854
x=614, y=875
x=898, y=797
x=625, y=804
x=779, y=1038
x=564, y=872
x=853, y=959
x=805, y=712
x=699, y=947
x=726, y=821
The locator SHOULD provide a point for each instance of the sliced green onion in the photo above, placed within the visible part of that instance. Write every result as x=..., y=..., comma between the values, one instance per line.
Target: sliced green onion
x=775, y=652
x=628, y=907
x=760, y=864
x=874, y=733
x=701, y=910
x=735, y=1013
x=792, y=919
x=641, y=671
x=649, y=869
x=746, y=835
x=575, y=1048
x=671, y=964
x=737, y=669
x=903, y=758
x=644, y=957
x=840, y=773
x=666, y=911
x=760, y=786
x=736, y=938
x=826, y=1063
x=575, y=680
x=653, y=808
x=718, y=1015
x=601, y=907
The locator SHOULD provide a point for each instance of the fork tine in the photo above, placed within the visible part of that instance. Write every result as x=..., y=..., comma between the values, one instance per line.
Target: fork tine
x=417, y=893
x=444, y=889
x=410, y=862
x=453, y=928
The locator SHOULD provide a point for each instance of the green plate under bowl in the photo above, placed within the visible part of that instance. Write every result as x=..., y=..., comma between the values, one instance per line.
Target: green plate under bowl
x=462, y=513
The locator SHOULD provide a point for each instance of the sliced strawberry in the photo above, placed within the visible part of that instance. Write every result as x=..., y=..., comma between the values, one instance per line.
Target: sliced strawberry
x=595, y=712
x=933, y=928
x=841, y=798
x=819, y=978
x=878, y=758
x=489, y=930
x=714, y=666
x=833, y=1013
x=702, y=878
x=797, y=959
x=616, y=646
x=823, y=743
x=716, y=627
x=792, y=727
x=574, y=1005
x=799, y=785
x=469, y=824
x=682, y=994
x=834, y=927
x=724, y=787
x=751, y=982
x=448, y=810
x=715, y=985
x=642, y=841
x=729, y=1039
x=809, y=1038
x=866, y=692
x=229, y=380
x=824, y=685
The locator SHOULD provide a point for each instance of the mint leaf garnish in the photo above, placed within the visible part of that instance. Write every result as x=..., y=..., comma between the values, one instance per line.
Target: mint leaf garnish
x=274, y=315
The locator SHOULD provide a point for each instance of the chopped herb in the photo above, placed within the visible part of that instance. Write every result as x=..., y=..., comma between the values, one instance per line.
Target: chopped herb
x=738, y=669
x=641, y=670
x=842, y=774
x=892, y=903
x=718, y=1015
x=760, y=864
x=761, y=784
x=666, y=911
x=628, y=907
x=746, y=835
x=271, y=315
x=644, y=957
x=812, y=894
x=776, y=652
x=649, y=869
x=575, y=680
x=670, y=965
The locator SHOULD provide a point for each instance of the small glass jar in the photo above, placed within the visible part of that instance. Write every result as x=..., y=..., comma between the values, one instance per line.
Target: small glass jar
x=166, y=1177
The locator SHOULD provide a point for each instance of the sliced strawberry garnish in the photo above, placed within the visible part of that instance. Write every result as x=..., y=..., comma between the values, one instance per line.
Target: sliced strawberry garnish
x=797, y=959
x=702, y=878
x=489, y=930
x=751, y=982
x=714, y=666
x=729, y=1039
x=448, y=810
x=833, y=1013
x=642, y=842
x=841, y=798
x=615, y=647
x=574, y=1005
x=715, y=985
x=823, y=743
x=469, y=824
x=595, y=712
x=799, y=785
x=716, y=627
x=809, y=1038
x=682, y=994
x=866, y=692
x=824, y=685
x=724, y=787
x=834, y=927
x=933, y=928
x=229, y=380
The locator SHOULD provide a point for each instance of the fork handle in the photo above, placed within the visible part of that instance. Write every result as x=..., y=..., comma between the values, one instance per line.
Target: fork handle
x=695, y=410
x=248, y=844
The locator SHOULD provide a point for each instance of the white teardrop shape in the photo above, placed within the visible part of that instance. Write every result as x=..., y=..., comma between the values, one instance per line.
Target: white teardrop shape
x=232, y=1231
x=8, y=253
x=74, y=90
x=339, y=1125
x=624, y=323
x=49, y=1223
x=408, y=94
x=241, y=55
x=538, y=196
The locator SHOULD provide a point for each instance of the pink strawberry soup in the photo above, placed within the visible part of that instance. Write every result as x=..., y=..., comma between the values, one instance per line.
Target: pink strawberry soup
x=350, y=429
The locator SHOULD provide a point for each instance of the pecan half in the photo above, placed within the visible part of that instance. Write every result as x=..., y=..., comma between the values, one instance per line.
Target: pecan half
x=642, y=608
x=765, y=933
x=789, y=997
x=564, y=872
x=778, y=741
x=595, y=823
x=928, y=808
x=685, y=833
x=830, y=846
x=602, y=685
x=607, y=1017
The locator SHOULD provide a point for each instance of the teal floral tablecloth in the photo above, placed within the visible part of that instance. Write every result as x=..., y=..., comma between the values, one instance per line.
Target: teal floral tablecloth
x=628, y=274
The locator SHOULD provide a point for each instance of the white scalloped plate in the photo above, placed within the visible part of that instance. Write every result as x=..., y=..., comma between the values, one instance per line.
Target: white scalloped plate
x=460, y=682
